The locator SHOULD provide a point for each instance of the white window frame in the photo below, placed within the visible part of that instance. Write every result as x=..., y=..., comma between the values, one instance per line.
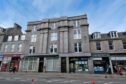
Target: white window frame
x=78, y=47
x=22, y=37
x=19, y=47
x=96, y=35
x=9, y=38
x=33, y=38
x=32, y=49
x=76, y=23
x=113, y=34
x=6, y=48
x=77, y=33
x=53, y=36
x=12, y=47
x=53, y=47
x=16, y=38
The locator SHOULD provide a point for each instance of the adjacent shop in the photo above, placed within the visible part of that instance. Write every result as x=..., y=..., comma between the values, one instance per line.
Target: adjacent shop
x=10, y=61
x=40, y=63
x=78, y=64
x=118, y=61
x=1, y=59
x=100, y=62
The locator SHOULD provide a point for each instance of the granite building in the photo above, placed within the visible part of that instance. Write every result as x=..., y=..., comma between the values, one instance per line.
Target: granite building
x=58, y=45
x=108, y=49
x=12, y=47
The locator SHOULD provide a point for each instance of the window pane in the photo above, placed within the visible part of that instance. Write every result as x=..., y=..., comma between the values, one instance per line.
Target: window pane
x=16, y=38
x=9, y=38
x=98, y=46
x=23, y=37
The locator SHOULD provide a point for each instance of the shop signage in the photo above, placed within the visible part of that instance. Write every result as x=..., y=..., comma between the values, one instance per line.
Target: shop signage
x=118, y=58
x=97, y=58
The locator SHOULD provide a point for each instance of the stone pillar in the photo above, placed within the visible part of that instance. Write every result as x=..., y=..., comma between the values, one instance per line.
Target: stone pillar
x=44, y=65
x=20, y=65
x=59, y=64
x=110, y=62
x=37, y=64
x=67, y=64
x=90, y=65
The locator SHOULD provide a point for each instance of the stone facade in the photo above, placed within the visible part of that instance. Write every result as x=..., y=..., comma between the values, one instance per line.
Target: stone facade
x=12, y=48
x=64, y=29
x=112, y=52
x=62, y=45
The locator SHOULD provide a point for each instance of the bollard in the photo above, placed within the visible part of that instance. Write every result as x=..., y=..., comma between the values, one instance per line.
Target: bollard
x=93, y=82
x=33, y=81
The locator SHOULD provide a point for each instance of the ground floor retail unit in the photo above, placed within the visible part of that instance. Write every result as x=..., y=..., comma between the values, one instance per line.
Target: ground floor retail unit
x=109, y=63
x=55, y=63
x=10, y=61
x=40, y=63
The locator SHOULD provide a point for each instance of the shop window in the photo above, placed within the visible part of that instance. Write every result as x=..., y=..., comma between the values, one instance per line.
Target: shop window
x=98, y=45
x=77, y=34
x=77, y=47
x=110, y=45
x=29, y=64
x=124, y=44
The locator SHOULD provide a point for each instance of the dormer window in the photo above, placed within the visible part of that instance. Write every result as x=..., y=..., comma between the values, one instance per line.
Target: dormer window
x=96, y=35
x=113, y=34
x=9, y=38
x=16, y=38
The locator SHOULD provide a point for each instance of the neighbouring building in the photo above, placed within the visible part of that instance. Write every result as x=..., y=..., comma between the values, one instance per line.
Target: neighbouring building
x=12, y=47
x=108, y=49
x=2, y=35
x=58, y=45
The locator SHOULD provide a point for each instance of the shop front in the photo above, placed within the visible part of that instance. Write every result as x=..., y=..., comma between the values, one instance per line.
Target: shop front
x=1, y=59
x=10, y=61
x=100, y=63
x=30, y=64
x=40, y=63
x=118, y=62
x=52, y=64
x=78, y=64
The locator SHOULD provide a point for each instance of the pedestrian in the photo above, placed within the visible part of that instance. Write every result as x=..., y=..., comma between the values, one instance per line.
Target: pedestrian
x=14, y=69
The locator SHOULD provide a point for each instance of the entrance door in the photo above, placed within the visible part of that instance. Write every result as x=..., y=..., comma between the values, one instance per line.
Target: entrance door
x=63, y=64
x=41, y=62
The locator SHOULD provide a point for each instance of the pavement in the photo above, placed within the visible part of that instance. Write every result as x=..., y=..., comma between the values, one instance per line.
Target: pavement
x=59, y=78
